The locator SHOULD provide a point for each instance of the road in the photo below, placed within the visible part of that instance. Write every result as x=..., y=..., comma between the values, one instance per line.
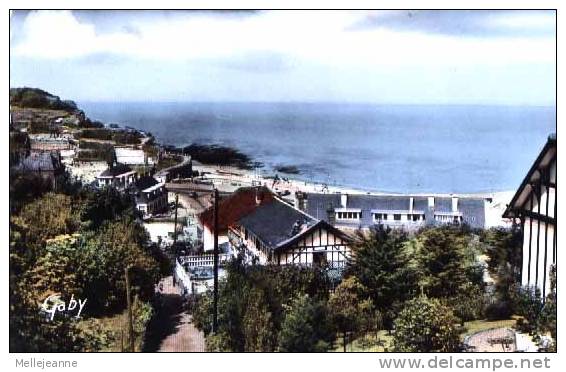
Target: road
x=172, y=330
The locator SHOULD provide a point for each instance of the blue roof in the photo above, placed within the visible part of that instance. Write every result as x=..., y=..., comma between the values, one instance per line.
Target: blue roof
x=319, y=205
x=273, y=222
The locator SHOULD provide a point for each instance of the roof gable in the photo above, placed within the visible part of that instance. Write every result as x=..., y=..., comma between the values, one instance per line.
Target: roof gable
x=116, y=170
x=276, y=222
x=544, y=159
x=237, y=205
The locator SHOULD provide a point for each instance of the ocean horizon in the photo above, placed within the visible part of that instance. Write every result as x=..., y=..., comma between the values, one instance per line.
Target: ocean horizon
x=400, y=148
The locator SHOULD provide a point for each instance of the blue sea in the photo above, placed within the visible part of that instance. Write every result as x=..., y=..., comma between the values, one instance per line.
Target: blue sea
x=393, y=148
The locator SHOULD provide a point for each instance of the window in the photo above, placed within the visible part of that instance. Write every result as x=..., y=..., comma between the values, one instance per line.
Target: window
x=415, y=217
x=348, y=215
x=378, y=216
x=397, y=217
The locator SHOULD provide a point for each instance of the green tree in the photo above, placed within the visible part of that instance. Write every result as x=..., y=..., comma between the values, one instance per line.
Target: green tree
x=381, y=265
x=549, y=311
x=503, y=247
x=31, y=332
x=103, y=256
x=443, y=261
x=257, y=323
x=425, y=325
x=352, y=311
x=306, y=327
x=251, y=306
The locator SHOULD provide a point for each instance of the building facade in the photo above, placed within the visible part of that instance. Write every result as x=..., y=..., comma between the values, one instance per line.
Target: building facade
x=361, y=211
x=534, y=205
x=44, y=164
x=151, y=196
x=119, y=176
x=268, y=230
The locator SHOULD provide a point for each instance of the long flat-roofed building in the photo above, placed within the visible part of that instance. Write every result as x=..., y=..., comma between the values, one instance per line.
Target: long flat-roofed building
x=361, y=211
x=534, y=204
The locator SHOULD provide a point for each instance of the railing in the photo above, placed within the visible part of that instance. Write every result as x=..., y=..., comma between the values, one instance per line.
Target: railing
x=203, y=260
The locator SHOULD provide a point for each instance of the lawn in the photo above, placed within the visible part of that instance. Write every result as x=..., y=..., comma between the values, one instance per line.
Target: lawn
x=368, y=343
x=475, y=326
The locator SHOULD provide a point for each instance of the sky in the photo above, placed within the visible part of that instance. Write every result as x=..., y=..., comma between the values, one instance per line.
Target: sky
x=401, y=57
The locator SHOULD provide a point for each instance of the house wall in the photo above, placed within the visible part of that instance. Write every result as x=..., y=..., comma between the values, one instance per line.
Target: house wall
x=539, y=234
x=321, y=242
x=208, y=238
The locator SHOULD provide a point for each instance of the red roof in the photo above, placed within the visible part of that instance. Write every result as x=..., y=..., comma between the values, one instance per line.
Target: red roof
x=242, y=202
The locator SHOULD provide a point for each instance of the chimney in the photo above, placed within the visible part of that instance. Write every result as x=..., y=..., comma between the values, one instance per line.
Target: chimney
x=258, y=196
x=343, y=200
x=301, y=200
x=454, y=204
x=411, y=204
x=431, y=201
x=331, y=217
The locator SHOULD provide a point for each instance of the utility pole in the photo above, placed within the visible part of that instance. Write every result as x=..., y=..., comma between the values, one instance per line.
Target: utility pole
x=215, y=317
x=130, y=313
x=175, y=228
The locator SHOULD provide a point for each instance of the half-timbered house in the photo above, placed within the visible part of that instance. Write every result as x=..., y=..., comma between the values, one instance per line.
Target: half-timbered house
x=271, y=231
x=534, y=205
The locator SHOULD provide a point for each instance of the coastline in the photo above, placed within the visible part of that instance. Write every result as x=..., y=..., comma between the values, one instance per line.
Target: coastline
x=230, y=178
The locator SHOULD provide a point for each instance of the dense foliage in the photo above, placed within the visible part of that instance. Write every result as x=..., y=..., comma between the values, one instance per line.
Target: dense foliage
x=307, y=326
x=352, y=310
x=121, y=137
x=425, y=325
x=381, y=265
x=77, y=244
x=252, y=304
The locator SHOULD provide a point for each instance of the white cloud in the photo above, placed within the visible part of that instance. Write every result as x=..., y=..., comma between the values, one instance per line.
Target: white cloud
x=297, y=54
x=313, y=36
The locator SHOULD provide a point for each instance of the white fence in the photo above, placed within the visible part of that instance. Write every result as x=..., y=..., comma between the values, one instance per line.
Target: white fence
x=203, y=260
x=191, y=281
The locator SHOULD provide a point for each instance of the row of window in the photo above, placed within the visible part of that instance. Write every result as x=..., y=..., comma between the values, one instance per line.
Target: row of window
x=397, y=217
x=348, y=215
x=380, y=216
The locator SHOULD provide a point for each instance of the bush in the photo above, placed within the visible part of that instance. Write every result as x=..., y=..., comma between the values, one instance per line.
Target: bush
x=499, y=310
x=99, y=134
x=251, y=305
x=425, y=325
x=306, y=327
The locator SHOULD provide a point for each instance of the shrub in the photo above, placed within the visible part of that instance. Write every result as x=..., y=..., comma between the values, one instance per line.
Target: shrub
x=306, y=327
x=425, y=325
x=499, y=310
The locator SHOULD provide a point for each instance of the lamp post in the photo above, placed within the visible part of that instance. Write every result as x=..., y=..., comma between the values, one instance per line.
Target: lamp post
x=215, y=315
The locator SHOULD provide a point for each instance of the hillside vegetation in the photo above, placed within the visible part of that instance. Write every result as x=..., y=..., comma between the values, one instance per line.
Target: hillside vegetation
x=37, y=98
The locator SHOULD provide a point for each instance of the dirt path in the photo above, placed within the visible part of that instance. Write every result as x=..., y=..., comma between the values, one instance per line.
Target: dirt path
x=172, y=330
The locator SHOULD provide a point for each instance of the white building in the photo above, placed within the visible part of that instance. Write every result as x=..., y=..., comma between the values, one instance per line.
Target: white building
x=130, y=156
x=534, y=204
x=151, y=196
x=362, y=211
x=119, y=176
